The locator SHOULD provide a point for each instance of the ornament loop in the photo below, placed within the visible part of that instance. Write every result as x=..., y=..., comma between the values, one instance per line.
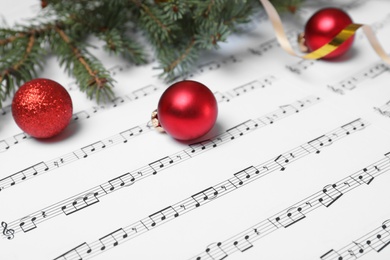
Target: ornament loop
x=155, y=123
x=301, y=43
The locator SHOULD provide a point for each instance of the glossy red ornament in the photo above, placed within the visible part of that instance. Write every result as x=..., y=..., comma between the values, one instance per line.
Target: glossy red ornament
x=42, y=108
x=187, y=110
x=323, y=26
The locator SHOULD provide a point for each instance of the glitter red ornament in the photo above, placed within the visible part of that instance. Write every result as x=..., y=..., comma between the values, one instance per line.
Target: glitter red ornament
x=187, y=110
x=42, y=108
x=323, y=26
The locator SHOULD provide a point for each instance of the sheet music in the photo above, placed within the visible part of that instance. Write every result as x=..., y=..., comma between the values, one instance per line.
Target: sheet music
x=296, y=167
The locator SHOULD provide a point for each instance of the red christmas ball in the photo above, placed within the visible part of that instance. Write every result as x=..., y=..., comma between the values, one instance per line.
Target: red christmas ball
x=42, y=108
x=187, y=110
x=323, y=26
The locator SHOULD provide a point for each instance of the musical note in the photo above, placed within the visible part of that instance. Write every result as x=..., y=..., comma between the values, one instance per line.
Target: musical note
x=243, y=244
x=92, y=195
x=142, y=92
x=331, y=254
x=118, y=68
x=117, y=101
x=220, y=97
x=3, y=146
x=299, y=211
x=332, y=194
x=239, y=130
x=112, y=239
x=163, y=162
x=95, y=147
x=384, y=110
x=124, y=136
x=290, y=217
x=301, y=66
x=286, y=218
x=81, y=115
x=319, y=142
x=28, y=223
x=202, y=146
x=210, y=66
x=245, y=174
x=8, y=233
x=364, y=177
x=131, y=133
x=72, y=85
x=380, y=240
x=5, y=109
x=19, y=137
x=76, y=253
x=264, y=47
x=23, y=175
x=353, y=81
x=355, y=125
x=205, y=195
x=245, y=88
x=376, y=240
x=161, y=215
x=215, y=251
x=124, y=180
x=282, y=161
x=80, y=203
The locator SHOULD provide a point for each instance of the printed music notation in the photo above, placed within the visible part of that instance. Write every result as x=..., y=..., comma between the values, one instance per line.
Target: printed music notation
x=251, y=173
x=299, y=211
x=384, y=110
x=301, y=66
x=121, y=138
x=270, y=163
x=211, y=66
x=376, y=240
x=352, y=82
x=271, y=44
x=83, y=152
x=6, y=143
x=92, y=195
x=243, y=89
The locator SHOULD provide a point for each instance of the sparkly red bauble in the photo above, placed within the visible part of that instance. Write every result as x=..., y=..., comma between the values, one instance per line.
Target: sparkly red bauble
x=187, y=110
x=323, y=26
x=42, y=108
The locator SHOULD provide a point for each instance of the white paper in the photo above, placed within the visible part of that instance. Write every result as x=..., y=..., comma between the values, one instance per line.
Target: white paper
x=296, y=167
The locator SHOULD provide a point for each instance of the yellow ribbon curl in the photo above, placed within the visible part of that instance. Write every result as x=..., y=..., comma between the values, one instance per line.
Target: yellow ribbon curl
x=344, y=35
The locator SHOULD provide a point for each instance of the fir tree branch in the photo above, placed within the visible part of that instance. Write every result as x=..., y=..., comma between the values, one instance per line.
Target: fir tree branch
x=96, y=84
x=16, y=71
x=80, y=57
x=151, y=15
x=12, y=38
x=14, y=68
x=182, y=57
x=177, y=30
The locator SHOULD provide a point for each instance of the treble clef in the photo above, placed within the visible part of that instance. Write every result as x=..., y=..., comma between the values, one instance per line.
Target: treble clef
x=9, y=233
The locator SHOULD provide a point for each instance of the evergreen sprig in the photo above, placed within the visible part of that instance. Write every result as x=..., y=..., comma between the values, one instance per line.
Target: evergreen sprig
x=176, y=30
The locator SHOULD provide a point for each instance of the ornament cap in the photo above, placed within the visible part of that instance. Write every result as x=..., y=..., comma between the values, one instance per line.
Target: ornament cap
x=302, y=43
x=155, y=123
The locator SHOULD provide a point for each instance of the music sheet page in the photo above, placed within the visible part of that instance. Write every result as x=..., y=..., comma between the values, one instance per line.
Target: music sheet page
x=297, y=165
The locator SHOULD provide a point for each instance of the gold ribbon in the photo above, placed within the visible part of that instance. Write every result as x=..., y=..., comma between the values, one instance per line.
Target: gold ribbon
x=344, y=35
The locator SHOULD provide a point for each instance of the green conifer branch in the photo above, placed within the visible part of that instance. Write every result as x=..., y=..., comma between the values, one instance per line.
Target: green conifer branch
x=97, y=82
x=177, y=31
